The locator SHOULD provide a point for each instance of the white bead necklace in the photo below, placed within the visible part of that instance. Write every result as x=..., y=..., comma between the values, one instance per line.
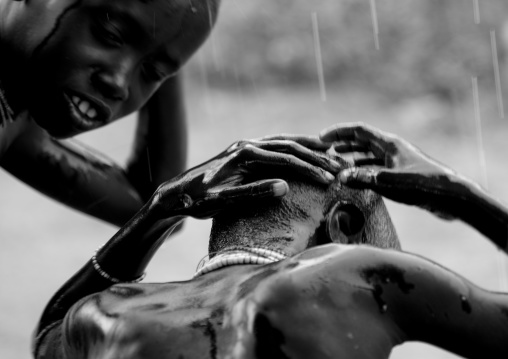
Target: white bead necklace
x=239, y=256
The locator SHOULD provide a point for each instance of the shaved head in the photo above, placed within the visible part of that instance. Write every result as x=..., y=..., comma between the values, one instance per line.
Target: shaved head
x=309, y=213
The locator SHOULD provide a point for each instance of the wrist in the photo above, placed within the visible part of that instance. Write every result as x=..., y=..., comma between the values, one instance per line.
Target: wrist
x=169, y=201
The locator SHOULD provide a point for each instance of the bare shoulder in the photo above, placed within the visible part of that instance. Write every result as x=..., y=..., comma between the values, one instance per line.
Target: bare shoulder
x=338, y=276
x=317, y=303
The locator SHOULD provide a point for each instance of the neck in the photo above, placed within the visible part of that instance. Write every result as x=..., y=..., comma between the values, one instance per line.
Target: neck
x=238, y=255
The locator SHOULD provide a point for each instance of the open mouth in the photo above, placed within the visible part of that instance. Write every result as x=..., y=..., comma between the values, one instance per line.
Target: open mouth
x=87, y=114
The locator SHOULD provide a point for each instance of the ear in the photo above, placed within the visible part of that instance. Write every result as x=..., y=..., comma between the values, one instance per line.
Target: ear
x=345, y=224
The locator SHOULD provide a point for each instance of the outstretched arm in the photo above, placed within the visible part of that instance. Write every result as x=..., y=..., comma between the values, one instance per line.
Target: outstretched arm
x=399, y=171
x=200, y=192
x=90, y=182
x=432, y=304
x=384, y=298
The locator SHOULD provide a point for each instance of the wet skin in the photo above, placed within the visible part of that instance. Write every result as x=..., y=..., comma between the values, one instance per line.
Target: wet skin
x=113, y=55
x=71, y=66
x=327, y=302
x=331, y=300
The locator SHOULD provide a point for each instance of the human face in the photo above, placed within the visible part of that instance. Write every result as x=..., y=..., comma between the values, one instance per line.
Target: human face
x=100, y=60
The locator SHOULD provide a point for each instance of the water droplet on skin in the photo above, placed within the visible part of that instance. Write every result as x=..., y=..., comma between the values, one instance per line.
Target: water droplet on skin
x=193, y=9
x=466, y=306
x=350, y=335
x=384, y=308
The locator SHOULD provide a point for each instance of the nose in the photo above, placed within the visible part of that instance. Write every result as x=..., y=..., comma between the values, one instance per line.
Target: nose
x=112, y=83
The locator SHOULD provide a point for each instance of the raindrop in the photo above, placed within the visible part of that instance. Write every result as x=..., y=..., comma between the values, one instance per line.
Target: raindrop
x=476, y=10
x=479, y=135
x=319, y=60
x=192, y=7
x=375, y=25
x=466, y=306
x=497, y=77
x=149, y=166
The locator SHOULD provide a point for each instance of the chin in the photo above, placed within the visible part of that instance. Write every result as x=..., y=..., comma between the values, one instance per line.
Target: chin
x=53, y=114
x=54, y=122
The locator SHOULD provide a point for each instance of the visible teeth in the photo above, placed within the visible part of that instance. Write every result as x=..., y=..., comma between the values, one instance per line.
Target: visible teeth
x=84, y=106
x=91, y=113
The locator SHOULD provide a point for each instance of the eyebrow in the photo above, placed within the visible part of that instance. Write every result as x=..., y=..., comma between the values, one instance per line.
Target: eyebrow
x=135, y=27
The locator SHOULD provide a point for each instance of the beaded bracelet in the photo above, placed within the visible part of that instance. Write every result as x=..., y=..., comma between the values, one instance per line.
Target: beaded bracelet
x=112, y=279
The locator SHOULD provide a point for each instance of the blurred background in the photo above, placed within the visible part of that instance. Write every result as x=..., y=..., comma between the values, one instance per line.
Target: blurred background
x=434, y=72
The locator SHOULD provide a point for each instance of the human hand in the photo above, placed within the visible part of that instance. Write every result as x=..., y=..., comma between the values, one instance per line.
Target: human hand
x=244, y=172
x=394, y=168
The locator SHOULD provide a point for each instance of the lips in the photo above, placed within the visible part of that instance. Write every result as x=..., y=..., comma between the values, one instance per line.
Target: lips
x=87, y=113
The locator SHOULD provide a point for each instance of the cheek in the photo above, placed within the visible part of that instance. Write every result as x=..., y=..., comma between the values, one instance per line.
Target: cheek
x=62, y=52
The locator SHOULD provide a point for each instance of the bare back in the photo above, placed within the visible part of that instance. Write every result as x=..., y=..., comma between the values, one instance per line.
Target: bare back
x=319, y=304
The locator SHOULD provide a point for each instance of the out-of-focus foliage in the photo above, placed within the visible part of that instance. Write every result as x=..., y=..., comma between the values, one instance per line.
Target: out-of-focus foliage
x=426, y=46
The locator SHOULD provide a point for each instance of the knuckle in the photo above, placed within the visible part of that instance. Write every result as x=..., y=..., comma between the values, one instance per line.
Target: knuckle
x=238, y=145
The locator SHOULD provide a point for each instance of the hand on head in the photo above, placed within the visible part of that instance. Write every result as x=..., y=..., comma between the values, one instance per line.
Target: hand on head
x=246, y=171
x=391, y=166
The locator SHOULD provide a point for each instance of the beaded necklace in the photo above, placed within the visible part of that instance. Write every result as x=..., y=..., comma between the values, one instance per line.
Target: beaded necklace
x=240, y=255
x=6, y=112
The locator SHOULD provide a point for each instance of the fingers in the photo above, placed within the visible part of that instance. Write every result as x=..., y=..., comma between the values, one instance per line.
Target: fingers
x=360, y=137
x=350, y=131
x=258, y=189
x=314, y=158
x=221, y=198
x=259, y=159
x=311, y=142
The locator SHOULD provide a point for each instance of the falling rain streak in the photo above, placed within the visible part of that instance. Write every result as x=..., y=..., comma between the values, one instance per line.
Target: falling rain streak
x=375, y=26
x=212, y=37
x=476, y=7
x=497, y=77
x=501, y=261
x=149, y=165
x=479, y=135
x=319, y=59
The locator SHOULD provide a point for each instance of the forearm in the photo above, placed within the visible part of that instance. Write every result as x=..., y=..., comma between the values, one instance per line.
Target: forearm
x=74, y=175
x=477, y=208
x=434, y=305
x=160, y=147
x=124, y=258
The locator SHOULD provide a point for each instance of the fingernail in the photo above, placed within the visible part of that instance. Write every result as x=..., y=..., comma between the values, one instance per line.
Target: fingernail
x=337, y=166
x=279, y=189
x=329, y=177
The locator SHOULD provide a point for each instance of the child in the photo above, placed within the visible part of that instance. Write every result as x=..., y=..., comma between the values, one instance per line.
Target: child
x=70, y=66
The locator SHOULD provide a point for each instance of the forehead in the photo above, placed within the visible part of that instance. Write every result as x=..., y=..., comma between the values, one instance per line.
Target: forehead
x=180, y=24
x=164, y=8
